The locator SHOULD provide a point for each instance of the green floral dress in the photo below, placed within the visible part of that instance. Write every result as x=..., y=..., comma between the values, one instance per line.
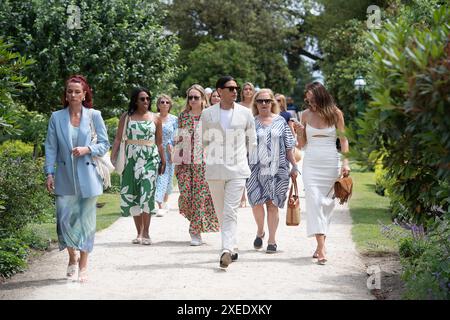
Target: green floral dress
x=141, y=170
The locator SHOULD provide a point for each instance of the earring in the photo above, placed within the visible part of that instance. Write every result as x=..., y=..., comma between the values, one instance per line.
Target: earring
x=84, y=99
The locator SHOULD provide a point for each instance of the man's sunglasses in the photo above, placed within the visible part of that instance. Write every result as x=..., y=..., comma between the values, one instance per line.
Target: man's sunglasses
x=144, y=99
x=231, y=89
x=196, y=98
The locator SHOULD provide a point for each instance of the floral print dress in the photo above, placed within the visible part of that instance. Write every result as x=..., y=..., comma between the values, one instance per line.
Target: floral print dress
x=141, y=169
x=195, y=202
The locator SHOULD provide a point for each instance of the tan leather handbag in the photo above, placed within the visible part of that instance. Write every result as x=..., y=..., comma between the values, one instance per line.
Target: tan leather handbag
x=343, y=188
x=293, y=207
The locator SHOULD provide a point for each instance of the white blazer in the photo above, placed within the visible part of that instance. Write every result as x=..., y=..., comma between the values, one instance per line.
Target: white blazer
x=226, y=151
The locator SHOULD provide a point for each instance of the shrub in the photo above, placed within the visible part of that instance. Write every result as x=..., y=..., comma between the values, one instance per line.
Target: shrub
x=13, y=254
x=22, y=193
x=381, y=181
x=426, y=263
x=111, y=126
x=16, y=149
x=406, y=124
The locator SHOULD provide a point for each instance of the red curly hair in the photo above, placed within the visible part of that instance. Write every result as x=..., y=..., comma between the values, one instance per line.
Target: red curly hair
x=78, y=79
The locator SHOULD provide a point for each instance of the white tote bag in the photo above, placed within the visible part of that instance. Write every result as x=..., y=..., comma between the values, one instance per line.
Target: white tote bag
x=120, y=161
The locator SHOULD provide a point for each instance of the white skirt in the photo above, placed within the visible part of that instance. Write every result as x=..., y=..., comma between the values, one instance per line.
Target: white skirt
x=321, y=168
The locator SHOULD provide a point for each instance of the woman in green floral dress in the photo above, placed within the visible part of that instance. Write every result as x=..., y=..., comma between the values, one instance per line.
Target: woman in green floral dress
x=144, y=161
x=195, y=202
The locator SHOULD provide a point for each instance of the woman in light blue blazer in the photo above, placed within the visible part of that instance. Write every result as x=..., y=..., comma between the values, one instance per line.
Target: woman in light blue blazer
x=71, y=172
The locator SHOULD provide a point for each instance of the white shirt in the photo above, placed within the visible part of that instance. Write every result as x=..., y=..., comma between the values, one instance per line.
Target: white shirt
x=225, y=118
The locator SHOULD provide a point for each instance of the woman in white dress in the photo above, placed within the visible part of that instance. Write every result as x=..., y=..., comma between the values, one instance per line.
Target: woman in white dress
x=321, y=124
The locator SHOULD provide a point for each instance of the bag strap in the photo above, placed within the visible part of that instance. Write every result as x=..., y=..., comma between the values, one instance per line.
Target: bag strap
x=293, y=187
x=91, y=124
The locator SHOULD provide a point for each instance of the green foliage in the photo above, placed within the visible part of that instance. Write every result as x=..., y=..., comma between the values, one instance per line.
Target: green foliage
x=407, y=121
x=426, y=263
x=16, y=149
x=381, y=182
x=111, y=126
x=11, y=82
x=253, y=32
x=120, y=44
x=210, y=61
x=23, y=194
x=346, y=58
x=34, y=129
x=13, y=254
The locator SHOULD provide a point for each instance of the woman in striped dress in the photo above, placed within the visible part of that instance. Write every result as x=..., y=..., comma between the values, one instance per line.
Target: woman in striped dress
x=269, y=179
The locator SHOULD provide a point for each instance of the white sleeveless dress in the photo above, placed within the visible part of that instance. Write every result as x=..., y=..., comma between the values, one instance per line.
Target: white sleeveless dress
x=321, y=168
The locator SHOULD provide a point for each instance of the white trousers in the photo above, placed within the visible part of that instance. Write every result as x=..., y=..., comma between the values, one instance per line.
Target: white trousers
x=226, y=196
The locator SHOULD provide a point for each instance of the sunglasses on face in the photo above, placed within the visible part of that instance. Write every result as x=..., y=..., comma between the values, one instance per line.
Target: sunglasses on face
x=144, y=99
x=278, y=100
x=164, y=102
x=264, y=101
x=196, y=98
x=231, y=89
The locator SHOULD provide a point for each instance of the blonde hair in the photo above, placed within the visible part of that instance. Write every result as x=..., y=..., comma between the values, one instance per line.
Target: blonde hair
x=283, y=105
x=275, y=107
x=163, y=96
x=242, y=91
x=203, y=99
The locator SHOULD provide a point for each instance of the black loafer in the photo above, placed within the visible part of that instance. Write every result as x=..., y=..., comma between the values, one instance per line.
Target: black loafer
x=258, y=243
x=271, y=248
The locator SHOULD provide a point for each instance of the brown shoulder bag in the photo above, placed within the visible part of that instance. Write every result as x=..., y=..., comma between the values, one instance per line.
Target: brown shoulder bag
x=343, y=188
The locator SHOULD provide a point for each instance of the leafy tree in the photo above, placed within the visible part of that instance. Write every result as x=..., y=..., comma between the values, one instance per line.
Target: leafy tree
x=117, y=44
x=11, y=82
x=262, y=25
x=209, y=61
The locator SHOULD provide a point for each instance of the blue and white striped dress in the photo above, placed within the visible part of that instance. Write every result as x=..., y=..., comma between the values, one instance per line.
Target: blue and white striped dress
x=269, y=178
x=164, y=181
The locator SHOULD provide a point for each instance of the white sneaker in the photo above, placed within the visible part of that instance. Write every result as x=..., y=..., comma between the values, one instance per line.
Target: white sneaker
x=160, y=213
x=196, y=239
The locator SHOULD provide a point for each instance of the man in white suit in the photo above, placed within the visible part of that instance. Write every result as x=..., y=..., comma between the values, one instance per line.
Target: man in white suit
x=228, y=136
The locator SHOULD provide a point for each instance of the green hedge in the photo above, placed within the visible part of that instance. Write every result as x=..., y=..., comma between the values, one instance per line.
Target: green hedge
x=406, y=124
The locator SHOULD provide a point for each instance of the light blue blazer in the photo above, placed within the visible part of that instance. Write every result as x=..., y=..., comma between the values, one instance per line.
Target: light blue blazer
x=58, y=153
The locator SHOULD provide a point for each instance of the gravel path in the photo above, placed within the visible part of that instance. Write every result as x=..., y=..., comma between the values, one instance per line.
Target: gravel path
x=171, y=269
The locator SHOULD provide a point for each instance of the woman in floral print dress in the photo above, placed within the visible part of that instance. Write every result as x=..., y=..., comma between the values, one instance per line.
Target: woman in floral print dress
x=195, y=202
x=144, y=161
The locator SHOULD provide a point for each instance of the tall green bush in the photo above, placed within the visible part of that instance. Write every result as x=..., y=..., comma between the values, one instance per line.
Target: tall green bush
x=117, y=44
x=407, y=122
x=23, y=194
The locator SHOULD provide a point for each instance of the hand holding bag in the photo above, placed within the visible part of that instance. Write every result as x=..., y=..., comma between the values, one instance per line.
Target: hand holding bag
x=120, y=160
x=293, y=207
x=103, y=164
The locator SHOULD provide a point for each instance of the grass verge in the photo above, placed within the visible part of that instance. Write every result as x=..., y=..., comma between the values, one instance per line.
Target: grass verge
x=373, y=231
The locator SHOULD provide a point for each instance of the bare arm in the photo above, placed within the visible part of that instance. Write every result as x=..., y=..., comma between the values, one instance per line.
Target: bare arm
x=159, y=141
x=301, y=131
x=344, y=143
